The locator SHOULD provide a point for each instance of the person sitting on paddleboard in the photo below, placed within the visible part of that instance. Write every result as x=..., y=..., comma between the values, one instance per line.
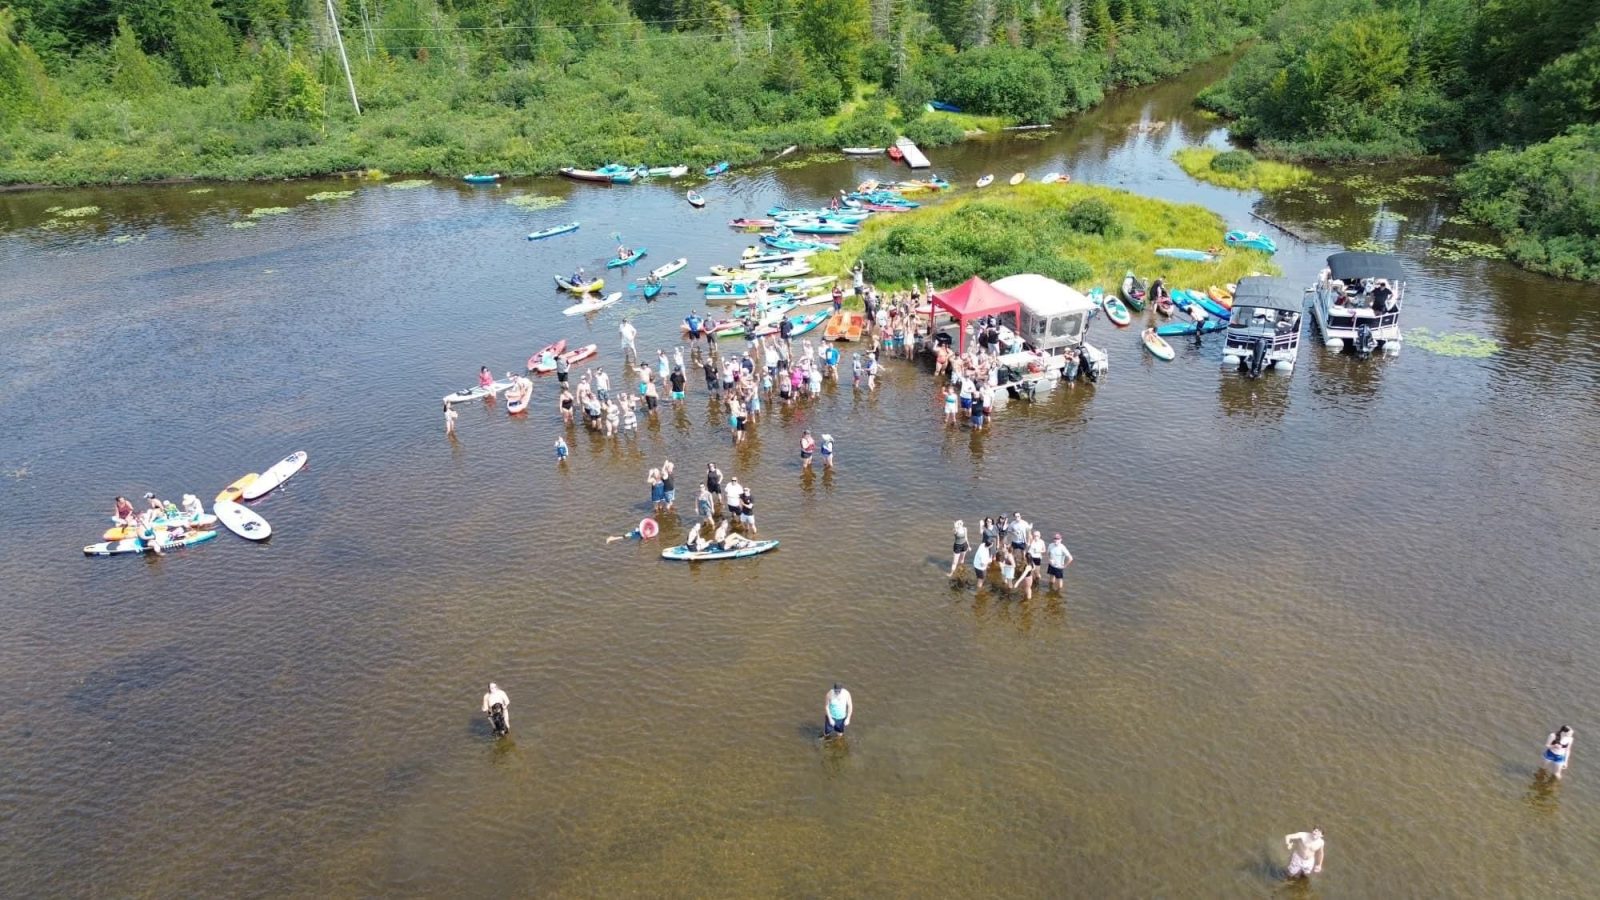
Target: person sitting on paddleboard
x=485, y=378
x=122, y=512
x=192, y=507
x=494, y=696
x=724, y=539
x=837, y=709
x=695, y=543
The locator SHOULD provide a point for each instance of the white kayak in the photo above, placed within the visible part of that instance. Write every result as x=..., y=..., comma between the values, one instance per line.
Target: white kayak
x=669, y=268
x=136, y=545
x=477, y=393
x=589, y=306
x=242, y=520
x=280, y=472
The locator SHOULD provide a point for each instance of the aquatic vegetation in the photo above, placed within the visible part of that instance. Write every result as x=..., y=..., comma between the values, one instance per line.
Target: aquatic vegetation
x=1422, y=179
x=264, y=211
x=78, y=212
x=330, y=195
x=1078, y=234
x=1369, y=191
x=1325, y=224
x=1461, y=219
x=535, y=201
x=1369, y=245
x=129, y=238
x=1389, y=215
x=200, y=190
x=243, y=223
x=409, y=184
x=1456, y=249
x=1239, y=170
x=1459, y=343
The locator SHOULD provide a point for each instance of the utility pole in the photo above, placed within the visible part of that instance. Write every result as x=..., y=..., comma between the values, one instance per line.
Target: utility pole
x=349, y=79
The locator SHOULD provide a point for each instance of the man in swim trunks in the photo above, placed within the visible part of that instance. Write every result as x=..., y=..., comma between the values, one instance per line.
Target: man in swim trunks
x=981, y=558
x=692, y=321
x=1019, y=533
x=1305, y=852
x=837, y=710
x=1060, y=557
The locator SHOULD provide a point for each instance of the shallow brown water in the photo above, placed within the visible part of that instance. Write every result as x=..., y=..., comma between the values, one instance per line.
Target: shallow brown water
x=1357, y=596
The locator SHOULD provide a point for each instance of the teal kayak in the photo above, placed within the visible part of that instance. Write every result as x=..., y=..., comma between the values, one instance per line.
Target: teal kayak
x=619, y=261
x=1190, y=255
x=684, y=554
x=1175, y=329
x=1254, y=240
x=552, y=231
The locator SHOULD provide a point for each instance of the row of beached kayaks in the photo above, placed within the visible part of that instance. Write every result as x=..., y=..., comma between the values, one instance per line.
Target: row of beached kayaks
x=617, y=173
x=1208, y=311
x=175, y=529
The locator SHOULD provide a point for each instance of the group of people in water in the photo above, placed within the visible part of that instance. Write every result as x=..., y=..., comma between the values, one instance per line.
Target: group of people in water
x=1018, y=550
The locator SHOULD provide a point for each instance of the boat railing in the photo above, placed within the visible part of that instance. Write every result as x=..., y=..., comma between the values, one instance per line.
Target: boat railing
x=1247, y=337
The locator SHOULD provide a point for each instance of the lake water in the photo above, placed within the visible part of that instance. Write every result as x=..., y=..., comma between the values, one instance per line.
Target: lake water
x=1358, y=596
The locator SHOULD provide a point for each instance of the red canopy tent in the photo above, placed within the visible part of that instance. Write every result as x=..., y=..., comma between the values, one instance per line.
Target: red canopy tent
x=974, y=299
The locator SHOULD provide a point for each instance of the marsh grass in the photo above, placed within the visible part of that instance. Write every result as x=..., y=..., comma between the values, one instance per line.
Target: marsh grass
x=1264, y=175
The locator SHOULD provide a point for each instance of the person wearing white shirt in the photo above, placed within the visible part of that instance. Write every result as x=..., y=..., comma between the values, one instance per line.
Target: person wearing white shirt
x=628, y=333
x=1059, y=558
x=495, y=697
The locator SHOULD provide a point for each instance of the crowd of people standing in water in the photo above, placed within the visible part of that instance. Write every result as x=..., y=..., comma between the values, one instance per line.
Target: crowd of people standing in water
x=1011, y=545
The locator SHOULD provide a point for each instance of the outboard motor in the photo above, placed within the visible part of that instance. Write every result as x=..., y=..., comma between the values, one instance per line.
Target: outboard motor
x=497, y=718
x=1365, y=342
x=1258, y=357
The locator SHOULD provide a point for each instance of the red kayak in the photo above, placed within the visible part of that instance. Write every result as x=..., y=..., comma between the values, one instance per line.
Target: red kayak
x=548, y=364
x=548, y=352
x=895, y=154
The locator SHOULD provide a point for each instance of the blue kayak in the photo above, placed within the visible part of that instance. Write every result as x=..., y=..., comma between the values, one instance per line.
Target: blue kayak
x=552, y=231
x=715, y=170
x=1190, y=255
x=480, y=178
x=783, y=243
x=1175, y=329
x=619, y=261
x=1254, y=240
x=684, y=554
x=941, y=106
x=651, y=290
x=1209, y=305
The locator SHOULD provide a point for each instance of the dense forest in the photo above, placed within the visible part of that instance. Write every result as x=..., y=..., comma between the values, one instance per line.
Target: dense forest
x=109, y=90
x=1352, y=79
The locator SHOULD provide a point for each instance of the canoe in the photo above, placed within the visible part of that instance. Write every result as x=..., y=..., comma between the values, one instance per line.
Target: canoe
x=281, y=471
x=617, y=261
x=1253, y=240
x=862, y=151
x=585, y=288
x=1190, y=255
x=896, y=154
x=477, y=392
x=480, y=178
x=668, y=269
x=1115, y=311
x=1176, y=329
x=1164, y=306
x=591, y=304
x=713, y=171
x=548, y=353
x=552, y=231
x=1158, y=348
x=695, y=200
x=1133, y=292
x=683, y=554
x=985, y=181
x=123, y=532
x=235, y=490
x=1019, y=177
x=577, y=355
x=1222, y=296
x=243, y=521
x=135, y=545
x=585, y=174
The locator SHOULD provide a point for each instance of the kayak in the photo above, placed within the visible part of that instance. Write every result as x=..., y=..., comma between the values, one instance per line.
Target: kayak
x=585, y=288
x=985, y=181
x=695, y=200
x=801, y=324
x=1253, y=240
x=1190, y=255
x=591, y=304
x=617, y=261
x=669, y=268
x=1115, y=311
x=713, y=171
x=549, y=353
x=1164, y=306
x=243, y=521
x=896, y=154
x=281, y=471
x=517, y=402
x=684, y=554
x=1222, y=296
x=816, y=226
x=138, y=545
x=753, y=223
x=577, y=174
x=576, y=355
x=862, y=151
x=1019, y=178
x=552, y=231
x=1209, y=305
x=477, y=392
x=1133, y=292
x=1176, y=329
x=480, y=178
x=235, y=490
x=668, y=171
x=162, y=523
x=1158, y=348
x=1056, y=178
x=941, y=106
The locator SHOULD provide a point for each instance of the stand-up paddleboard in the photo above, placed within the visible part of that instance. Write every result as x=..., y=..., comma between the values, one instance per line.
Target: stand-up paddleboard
x=683, y=554
x=669, y=268
x=235, y=490
x=135, y=545
x=1158, y=348
x=123, y=532
x=281, y=471
x=592, y=305
x=477, y=393
x=985, y=181
x=243, y=521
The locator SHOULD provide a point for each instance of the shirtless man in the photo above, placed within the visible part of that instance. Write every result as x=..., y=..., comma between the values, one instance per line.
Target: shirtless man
x=1305, y=852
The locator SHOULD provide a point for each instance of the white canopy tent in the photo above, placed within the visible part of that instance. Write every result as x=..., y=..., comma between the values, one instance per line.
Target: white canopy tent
x=1054, y=315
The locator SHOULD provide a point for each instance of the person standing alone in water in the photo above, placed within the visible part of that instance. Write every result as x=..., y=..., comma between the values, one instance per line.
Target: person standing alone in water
x=498, y=707
x=1558, y=751
x=1305, y=852
x=838, y=709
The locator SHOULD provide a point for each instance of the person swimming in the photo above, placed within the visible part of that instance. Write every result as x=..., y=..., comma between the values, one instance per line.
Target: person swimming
x=838, y=709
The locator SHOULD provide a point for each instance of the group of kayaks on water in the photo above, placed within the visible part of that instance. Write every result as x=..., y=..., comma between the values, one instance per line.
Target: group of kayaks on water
x=163, y=525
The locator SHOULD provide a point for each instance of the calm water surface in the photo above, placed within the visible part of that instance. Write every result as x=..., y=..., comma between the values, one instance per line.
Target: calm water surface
x=1358, y=596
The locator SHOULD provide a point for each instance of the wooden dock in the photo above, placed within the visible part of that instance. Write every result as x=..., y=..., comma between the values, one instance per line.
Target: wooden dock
x=914, y=157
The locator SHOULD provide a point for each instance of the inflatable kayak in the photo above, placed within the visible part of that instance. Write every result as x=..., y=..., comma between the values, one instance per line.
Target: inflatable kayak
x=1190, y=255
x=585, y=288
x=235, y=490
x=137, y=545
x=1158, y=348
x=684, y=554
x=618, y=261
x=517, y=401
x=593, y=304
x=243, y=521
x=477, y=392
x=547, y=365
x=552, y=231
x=480, y=178
x=550, y=353
x=281, y=471
x=713, y=171
x=1253, y=240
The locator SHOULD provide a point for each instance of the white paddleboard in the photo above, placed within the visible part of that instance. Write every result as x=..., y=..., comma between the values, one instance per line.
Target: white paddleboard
x=477, y=393
x=589, y=306
x=280, y=472
x=242, y=520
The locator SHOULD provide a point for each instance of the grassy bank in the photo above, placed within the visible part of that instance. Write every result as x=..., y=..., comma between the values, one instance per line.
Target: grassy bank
x=1082, y=235
x=1239, y=170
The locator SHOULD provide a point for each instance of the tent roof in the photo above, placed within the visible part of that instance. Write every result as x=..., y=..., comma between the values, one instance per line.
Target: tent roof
x=1359, y=264
x=1044, y=297
x=1269, y=293
x=975, y=297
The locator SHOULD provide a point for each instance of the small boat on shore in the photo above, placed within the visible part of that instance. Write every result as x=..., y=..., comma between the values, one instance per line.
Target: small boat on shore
x=1185, y=254
x=1133, y=292
x=1019, y=178
x=593, y=175
x=896, y=154
x=713, y=171
x=862, y=151
x=1253, y=240
x=668, y=171
x=985, y=181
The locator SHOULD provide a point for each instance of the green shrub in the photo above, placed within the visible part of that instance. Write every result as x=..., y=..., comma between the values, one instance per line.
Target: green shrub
x=864, y=129
x=928, y=131
x=1233, y=161
x=1092, y=216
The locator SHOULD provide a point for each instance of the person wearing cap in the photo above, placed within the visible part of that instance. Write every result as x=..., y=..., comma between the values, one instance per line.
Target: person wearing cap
x=496, y=697
x=1305, y=852
x=837, y=710
x=1059, y=557
x=808, y=446
x=192, y=507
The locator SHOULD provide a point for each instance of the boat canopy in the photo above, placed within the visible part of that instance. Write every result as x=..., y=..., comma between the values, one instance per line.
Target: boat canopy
x=1356, y=264
x=1043, y=297
x=973, y=299
x=1263, y=292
